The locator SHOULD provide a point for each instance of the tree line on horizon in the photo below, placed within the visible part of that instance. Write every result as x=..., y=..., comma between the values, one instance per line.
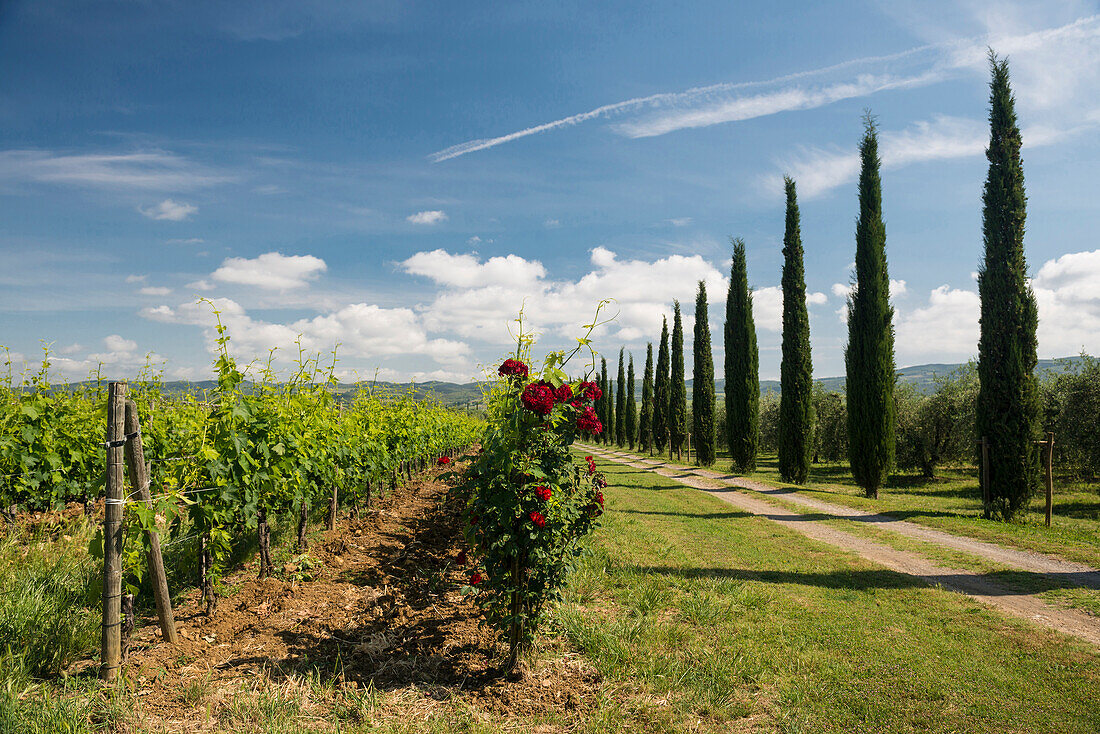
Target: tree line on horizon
x=1007, y=398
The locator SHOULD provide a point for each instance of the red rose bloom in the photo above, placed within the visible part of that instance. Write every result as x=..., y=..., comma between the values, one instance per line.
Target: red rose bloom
x=563, y=394
x=588, y=422
x=537, y=518
x=443, y=460
x=476, y=578
x=599, y=498
x=590, y=391
x=513, y=368
x=539, y=399
x=543, y=493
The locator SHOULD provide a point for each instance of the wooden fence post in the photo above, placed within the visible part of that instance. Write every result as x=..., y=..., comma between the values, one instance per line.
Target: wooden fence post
x=111, y=638
x=332, y=502
x=139, y=477
x=986, y=493
x=1050, y=476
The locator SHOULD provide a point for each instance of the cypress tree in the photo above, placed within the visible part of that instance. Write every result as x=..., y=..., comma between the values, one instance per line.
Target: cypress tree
x=796, y=407
x=1008, y=395
x=645, y=420
x=677, y=393
x=702, y=385
x=620, y=404
x=660, y=392
x=870, y=354
x=631, y=406
x=605, y=404
x=742, y=367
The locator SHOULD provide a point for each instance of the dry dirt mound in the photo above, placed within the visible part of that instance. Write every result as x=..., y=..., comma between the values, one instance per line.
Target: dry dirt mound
x=375, y=605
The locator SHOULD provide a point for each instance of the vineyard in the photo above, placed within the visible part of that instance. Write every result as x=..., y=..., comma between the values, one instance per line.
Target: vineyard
x=563, y=545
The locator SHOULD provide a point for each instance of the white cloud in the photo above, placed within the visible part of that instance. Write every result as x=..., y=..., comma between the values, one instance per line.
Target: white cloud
x=427, y=217
x=185, y=241
x=818, y=170
x=944, y=329
x=201, y=285
x=840, y=290
x=680, y=221
x=1067, y=291
x=145, y=171
x=119, y=358
x=468, y=271
x=271, y=270
x=767, y=306
x=170, y=210
x=361, y=330
x=116, y=343
x=551, y=223
x=643, y=291
x=135, y=278
x=155, y=291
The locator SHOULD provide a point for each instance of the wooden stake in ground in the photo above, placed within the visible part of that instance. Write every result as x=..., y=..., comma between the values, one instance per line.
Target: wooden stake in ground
x=111, y=639
x=332, y=502
x=139, y=478
x=1050, y=476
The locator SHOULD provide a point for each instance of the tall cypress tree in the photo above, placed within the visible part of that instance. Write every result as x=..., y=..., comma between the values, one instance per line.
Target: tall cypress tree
x=620, y=403
x=796, y=407
x=870, y=353
x=645, y=419
x=605, y=404
x=1008, y=395
x=677, y=390
x=660, y=392
x=702, y=385
x=631, y=406
x=742, y=367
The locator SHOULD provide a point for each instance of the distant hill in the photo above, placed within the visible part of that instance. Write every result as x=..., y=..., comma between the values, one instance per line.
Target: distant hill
x=922, y=376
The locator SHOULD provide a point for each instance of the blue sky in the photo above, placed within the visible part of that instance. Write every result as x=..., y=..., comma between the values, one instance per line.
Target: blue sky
x=400, y=177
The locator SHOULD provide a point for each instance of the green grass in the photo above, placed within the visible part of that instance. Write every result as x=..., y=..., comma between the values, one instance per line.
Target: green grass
x=48, y=588
x=699, y=617
x=732, y=618
x=952, y=502
x=1049, y=588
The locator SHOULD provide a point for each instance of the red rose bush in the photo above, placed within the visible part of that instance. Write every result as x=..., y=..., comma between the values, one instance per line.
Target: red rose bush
x=528, y=504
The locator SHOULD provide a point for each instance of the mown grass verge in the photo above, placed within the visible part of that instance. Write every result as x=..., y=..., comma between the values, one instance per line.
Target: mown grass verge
x=740, y=623
x=952, y=502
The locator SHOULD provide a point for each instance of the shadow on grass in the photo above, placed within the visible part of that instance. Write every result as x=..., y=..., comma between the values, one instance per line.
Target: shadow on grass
x=1077, y=510
x=1019, y=583
x=697, y=515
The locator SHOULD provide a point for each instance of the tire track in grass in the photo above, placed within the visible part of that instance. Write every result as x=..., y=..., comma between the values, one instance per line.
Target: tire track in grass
x=1011, y=601
x=1079, y=574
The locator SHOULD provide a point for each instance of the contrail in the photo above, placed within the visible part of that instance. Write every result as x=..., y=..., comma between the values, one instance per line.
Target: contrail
x=659, y=100
x=948, y=56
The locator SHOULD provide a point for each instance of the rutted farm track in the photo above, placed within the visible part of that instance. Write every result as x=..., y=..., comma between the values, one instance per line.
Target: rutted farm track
x=1016, y=602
